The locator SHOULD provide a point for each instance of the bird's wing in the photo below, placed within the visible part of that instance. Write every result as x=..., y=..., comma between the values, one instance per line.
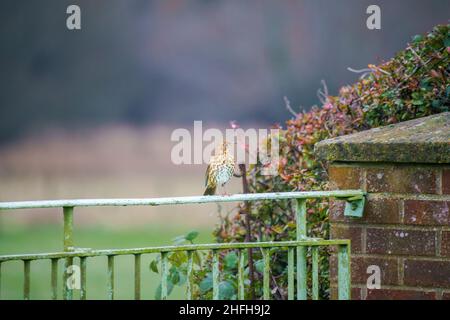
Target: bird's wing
x=207, y=174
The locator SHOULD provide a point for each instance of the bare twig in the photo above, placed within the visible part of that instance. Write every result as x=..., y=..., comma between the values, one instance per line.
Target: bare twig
x=322, y=94
x=288, y=106
x=275, y=284
x=365, y=71
x=383, y=71
x=417, y=56
x=417, y=68
x=359, y=70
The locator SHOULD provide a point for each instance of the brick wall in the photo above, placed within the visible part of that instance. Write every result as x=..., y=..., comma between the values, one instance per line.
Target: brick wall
x=405, y=229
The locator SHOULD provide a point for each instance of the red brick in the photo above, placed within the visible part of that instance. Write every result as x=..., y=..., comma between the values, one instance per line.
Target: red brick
x=446, y=181
x=445, y=244
x=426, y=212
x=346, y=232
x=345, y=177
x=397, y=294
x=402, y=179
x=356, y=294
x=400, y=241
x=382, y=211
x=388, y=267
x=385, y=211
x=427, y=273
x=336, y=212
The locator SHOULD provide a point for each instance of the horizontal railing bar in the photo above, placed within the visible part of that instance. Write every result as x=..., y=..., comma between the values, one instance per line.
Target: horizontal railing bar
x=178, y=200
x=210, y=246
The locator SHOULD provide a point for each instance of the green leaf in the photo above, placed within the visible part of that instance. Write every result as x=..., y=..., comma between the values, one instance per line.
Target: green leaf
x=188, y=237
x=226, y=290
x=191, y=235
x=179, y=239
x=417, y=38
x=231, y=260
x=436, y=103
x=447, y=42
x=183, y=278
x=177, y=258
x=154, y=266
x=174, y=275
x=278, y=229
x=206, y=284
x=259, y=266
x=158, y=290
x=425, y=83
x=197, y=258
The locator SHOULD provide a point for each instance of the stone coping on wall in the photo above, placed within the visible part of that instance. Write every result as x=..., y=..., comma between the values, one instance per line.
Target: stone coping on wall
x=423, y=140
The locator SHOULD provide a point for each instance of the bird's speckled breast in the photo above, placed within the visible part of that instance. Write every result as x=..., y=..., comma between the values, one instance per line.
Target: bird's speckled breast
x=224, y=173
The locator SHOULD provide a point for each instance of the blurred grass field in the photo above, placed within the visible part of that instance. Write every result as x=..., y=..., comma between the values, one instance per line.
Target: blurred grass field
x=109, y=162
x=48, y=238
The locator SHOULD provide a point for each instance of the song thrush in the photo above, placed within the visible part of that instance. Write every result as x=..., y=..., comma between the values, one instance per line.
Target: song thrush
x=220, y=169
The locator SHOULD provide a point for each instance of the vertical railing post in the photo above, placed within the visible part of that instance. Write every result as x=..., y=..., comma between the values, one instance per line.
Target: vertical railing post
x=241, y=268
x=315, y=272
x=164, y=275
x=266, y=273
x=54, y=278
x=83, y=270
x=68, y=246
x=137, y=277
x=344, y=272
x=215, y=275
x=291, y=290
x=189, y=279
x=110, y=277
x=300, y=210
x=68, y=228
x=26, y=280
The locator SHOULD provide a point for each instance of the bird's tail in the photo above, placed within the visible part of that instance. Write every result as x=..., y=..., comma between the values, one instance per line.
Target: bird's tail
x=210, y=191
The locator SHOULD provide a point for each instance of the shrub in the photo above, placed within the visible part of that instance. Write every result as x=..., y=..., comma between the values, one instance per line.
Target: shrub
x=413, y=84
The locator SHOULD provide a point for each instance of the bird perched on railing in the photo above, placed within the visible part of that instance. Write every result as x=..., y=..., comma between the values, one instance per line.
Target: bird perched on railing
x=220, y=169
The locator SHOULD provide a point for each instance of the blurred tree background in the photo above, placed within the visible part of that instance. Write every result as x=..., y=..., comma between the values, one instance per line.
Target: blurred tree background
x=170, y=62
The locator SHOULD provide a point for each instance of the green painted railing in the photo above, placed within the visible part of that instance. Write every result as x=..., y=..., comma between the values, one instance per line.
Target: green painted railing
x=354, y=205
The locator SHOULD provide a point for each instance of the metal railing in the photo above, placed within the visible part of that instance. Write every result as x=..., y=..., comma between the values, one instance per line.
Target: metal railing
x=354, y=206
